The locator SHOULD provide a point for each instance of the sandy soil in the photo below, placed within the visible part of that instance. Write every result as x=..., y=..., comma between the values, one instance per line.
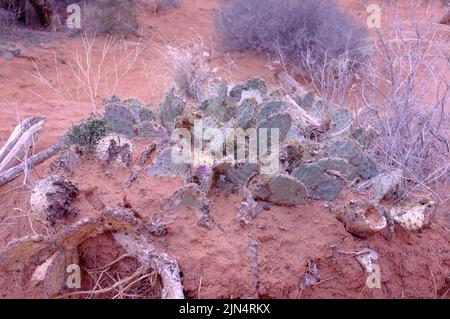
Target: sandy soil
x=216, y=263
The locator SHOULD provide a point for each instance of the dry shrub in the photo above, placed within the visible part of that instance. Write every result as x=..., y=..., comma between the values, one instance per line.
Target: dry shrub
x=109, y=16
x=191, y=72
x=405, y=89
x=310, y=33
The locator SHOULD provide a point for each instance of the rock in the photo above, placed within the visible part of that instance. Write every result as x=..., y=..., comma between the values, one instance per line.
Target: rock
x=116, y=149
x=320, y=185
x=281, y=189
x=282, y=121
x=246, y=113
x=172, y=107
x=270, y=108
x=51, y=198
x=361, y=218
x=120, y=119
x=413, y=216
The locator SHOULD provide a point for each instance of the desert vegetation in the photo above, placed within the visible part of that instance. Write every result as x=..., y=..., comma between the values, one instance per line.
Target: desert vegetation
x=291, y=177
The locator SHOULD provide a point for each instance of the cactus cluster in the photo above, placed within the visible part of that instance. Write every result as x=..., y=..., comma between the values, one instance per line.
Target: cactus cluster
x=312, y=149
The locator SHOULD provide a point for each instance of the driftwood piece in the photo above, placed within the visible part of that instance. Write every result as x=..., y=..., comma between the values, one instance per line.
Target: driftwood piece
x=15, y=135
x=19, y=142
x=15, y=171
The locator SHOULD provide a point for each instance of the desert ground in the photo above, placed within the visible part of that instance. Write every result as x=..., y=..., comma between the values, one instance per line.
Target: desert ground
x=298, y=250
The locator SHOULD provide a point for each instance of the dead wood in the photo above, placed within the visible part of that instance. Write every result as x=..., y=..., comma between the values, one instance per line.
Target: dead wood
x=15, y=171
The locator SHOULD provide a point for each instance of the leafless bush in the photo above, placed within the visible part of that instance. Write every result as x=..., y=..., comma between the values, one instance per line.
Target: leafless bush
x=109, y=16
x=96, y=72
x=310, y=34
x=406, y=90
x=191, y=72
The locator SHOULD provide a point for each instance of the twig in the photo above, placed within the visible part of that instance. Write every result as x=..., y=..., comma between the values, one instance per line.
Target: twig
x=104, y=290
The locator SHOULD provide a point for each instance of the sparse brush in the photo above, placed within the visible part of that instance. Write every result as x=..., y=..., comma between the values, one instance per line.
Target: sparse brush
x=191, y=72
x=406, y=90
x=88, y=133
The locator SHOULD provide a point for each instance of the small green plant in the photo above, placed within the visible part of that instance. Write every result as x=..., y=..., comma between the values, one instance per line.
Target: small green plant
x=87, y=133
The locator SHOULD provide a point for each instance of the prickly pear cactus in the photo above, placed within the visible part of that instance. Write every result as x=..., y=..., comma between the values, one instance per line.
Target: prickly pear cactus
x=172, y=107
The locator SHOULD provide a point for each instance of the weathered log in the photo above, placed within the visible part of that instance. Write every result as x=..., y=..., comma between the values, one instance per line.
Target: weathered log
x=15, y=171
x=16, y=134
